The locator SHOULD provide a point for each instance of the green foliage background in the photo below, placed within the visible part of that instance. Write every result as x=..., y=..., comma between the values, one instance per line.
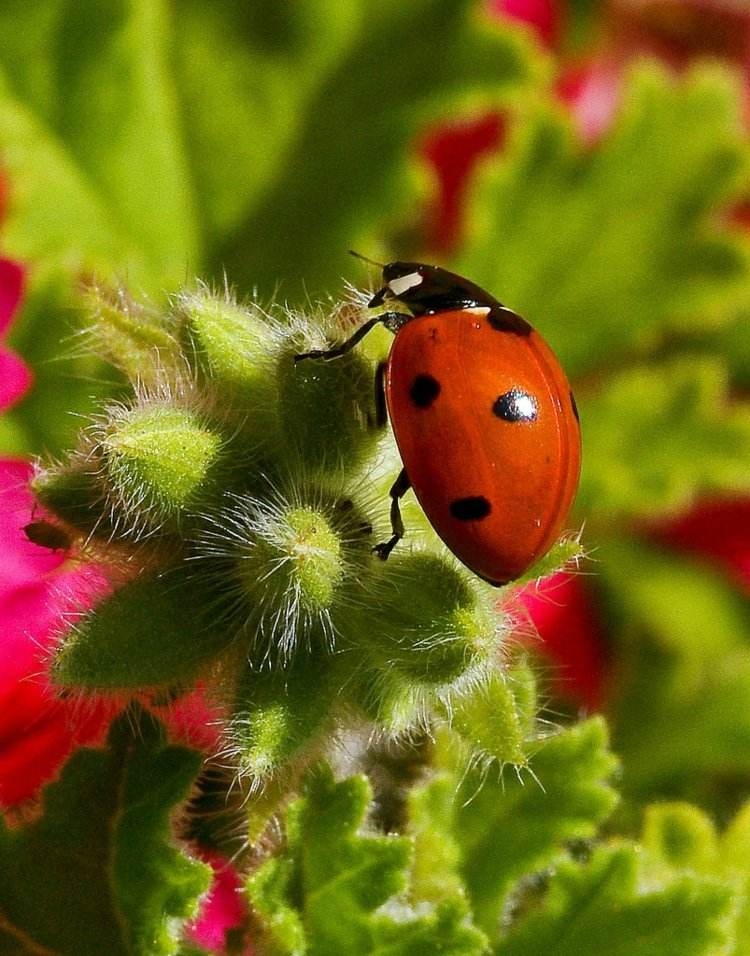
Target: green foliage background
x=148, y=142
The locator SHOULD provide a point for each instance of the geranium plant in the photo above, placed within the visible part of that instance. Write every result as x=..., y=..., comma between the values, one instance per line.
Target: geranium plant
x=225, y=724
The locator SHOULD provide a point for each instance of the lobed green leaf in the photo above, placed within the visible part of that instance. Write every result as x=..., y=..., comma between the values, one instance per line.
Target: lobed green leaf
x=600, y=907
x=526, y=822
x=99, y=871
x=606, y=249
x=320, y=896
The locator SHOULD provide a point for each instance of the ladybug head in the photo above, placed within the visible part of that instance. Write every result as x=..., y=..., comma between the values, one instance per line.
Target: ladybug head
x=426, y=289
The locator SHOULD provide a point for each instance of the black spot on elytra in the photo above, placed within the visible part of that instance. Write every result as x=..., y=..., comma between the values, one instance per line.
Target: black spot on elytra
x=574, y=406
x=506, y=320
x=424, y=390
x=516, y=405
x=470, y=509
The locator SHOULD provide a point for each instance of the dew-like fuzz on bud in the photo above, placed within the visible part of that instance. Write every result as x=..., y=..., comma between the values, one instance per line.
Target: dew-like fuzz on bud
x=289, y=561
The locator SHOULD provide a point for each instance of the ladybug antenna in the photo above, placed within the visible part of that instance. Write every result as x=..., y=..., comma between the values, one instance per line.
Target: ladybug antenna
x=372, y=262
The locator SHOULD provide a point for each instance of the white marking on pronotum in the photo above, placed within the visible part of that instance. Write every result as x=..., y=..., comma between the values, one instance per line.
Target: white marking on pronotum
x=403, y=283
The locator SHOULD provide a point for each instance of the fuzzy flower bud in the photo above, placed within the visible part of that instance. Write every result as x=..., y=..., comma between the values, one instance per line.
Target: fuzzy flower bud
x=132, y=337
x=158, y=461
x=326, y=408
x=291, y=560
x=497, y=719
x=279, y=715
x=432, y=624
x=154, y=631
x=233, y=347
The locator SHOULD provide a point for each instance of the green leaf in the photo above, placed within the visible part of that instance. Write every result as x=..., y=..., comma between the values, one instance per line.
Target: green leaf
x=679, y=734
x=444, y=930
x=677, y=601
x=600, y=908
x=97, y=156
x=189, y=133
x=508, y=827
x=99, y=872
x=346, y=167
x=248, y=75
x=157, y=141
x=66, y=380
x=437, y=857
x=733, y=856
x=659, y=436
x=321, y=894
x=605, y=249
x=681, y=835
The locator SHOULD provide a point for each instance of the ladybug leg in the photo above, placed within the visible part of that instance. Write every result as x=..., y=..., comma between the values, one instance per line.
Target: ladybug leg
x=345, y=346
x=381, y=409
x=399, y=488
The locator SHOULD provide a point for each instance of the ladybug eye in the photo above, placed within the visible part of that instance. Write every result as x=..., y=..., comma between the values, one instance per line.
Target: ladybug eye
x=402, y=284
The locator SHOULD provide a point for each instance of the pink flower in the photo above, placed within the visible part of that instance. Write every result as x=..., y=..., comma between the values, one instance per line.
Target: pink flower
x=37, y=587
x=223, y=908
x=15, y=377
x=564, y=616
x=38, y=590
x=592, y=92
x=544, y=17
x=716, y=531
x=452, y=152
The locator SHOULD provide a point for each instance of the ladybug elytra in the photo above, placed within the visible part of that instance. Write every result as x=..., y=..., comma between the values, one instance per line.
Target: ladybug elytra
x=483, y=416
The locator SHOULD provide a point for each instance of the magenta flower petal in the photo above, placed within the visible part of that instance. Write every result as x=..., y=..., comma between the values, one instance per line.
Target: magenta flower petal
x=21, y=562
x=542, y=16
x=717, y=531
x=38, y=730
x=565, y=618
x=12, y=278
x=223, y=908
x=15, y=378
x=194, y=720
x=592, y=93
x=453, y=152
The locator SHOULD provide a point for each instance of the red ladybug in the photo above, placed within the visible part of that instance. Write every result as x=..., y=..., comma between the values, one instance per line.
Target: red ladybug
x=483, y=416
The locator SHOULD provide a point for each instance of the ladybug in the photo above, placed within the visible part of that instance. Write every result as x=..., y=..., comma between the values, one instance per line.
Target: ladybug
x=483, y=416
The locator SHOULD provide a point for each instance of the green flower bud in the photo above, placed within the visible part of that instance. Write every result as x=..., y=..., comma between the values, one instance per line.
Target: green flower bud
x=290, y=561
x=234, y=347
x=429, y=622
x=153, y=631
x=158, y=460
x=131, y=337
x=494, y=719
x=566, y=552
x=326, y=407
x=279, y=715
x=73, y=492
